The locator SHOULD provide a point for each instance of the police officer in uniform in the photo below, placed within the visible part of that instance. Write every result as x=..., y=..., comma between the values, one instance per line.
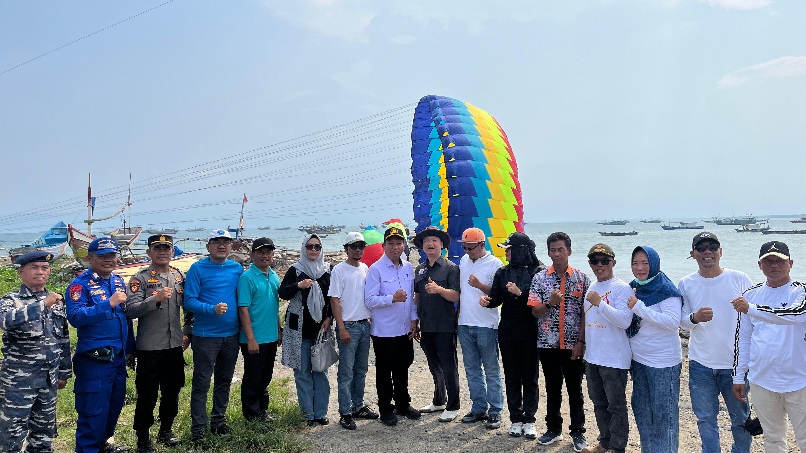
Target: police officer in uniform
x=155, y=299
x=36, y=357
x=94, y=308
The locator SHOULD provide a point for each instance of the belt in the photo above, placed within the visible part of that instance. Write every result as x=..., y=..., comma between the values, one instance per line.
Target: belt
x=359, y=321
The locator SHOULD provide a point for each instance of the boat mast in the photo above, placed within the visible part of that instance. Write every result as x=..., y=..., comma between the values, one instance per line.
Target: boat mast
x=89, y=204
x=240, y=222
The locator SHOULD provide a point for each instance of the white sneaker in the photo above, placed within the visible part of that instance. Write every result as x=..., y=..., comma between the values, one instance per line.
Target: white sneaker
x=431, y=408
x=529, y=431
x=448, y=416
x=516, y=429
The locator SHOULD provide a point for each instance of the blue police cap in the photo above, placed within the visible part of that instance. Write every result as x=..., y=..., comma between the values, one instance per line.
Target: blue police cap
x=103, y=246
x=36, y=255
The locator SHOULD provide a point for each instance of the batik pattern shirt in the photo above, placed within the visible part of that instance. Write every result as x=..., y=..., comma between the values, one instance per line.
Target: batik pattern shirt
x=559, y=327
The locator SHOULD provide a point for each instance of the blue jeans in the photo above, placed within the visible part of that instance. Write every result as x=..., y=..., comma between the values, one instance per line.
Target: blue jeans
x=705, y=385
x=480, y=353
x=655, y=399
x=353, y=365
x=313, y=389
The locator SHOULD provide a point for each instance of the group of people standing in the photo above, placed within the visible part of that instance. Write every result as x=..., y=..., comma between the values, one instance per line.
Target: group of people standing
x=745, y=339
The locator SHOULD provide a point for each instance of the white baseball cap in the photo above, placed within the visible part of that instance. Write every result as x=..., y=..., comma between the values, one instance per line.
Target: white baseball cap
x=353, y=237
x=220, y=234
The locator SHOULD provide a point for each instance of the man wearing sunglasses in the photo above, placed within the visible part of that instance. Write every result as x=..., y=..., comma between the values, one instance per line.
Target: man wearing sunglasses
x=478, y=330
x=155, y=299
x=608, y=355
x=708, y=314
x=347, y=282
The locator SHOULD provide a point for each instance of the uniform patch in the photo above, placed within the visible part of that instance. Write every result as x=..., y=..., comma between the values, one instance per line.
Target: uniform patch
x=153, y=280
x=155, y=292
x=75, y=292
x=103, y=296
x=134, y=285
x=153, y=272
x=97, y=292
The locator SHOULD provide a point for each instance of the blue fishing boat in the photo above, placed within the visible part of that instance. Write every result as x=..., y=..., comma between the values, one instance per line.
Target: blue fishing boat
x=52, y=241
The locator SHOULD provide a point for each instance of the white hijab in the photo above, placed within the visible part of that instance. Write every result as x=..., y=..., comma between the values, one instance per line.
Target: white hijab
x=314, y=270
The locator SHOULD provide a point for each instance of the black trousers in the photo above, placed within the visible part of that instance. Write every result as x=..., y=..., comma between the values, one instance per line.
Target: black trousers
x=257, y=373
x=558, y=366
x=393, y=357
x=518, y=345
x=440, y=351
x=161, y=371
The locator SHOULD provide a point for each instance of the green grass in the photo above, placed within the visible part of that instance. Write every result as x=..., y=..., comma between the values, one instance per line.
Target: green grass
x=283, y=436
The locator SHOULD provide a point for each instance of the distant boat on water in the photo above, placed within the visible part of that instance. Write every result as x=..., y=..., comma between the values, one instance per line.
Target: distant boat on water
x=618, y=233
x=754, y=227
x=53, y=241
x=740, y=220
x=681, y=226
x=784, y=232
x=161, y=231
x=195, y=229
x=614, y=222
x=267, y=227
x=650, y=220
x=800, y=220
x=283, y=228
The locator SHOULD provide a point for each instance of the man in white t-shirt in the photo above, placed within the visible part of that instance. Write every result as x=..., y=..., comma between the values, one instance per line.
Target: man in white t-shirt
x=478, y=330
x=707, y=313
x=607, y=351
x=346, y=293
x=771, y=350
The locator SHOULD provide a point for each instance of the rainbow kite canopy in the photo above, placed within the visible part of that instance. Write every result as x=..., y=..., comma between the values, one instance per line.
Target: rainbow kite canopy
x=464, y=173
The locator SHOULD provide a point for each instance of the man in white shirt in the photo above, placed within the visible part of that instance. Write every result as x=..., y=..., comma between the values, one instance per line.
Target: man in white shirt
x=347, y=281
x=707, y=313
x=607, y=352
x=478, y=330
x=770, y=348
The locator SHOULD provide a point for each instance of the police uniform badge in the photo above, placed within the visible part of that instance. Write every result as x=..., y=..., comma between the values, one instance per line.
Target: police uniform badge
x=134, y=285
x=103, y=296
x=75, y=292
x=153, y=272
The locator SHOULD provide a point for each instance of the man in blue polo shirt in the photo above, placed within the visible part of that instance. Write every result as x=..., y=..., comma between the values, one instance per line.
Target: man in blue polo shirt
x=259, y=309
x=210, y=287
x=94, y=308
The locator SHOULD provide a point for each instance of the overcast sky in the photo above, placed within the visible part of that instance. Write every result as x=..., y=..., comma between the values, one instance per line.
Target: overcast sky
x=614, y=108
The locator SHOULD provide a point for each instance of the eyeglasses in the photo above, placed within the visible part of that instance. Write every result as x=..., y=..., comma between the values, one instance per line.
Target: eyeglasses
x=602, y=261
x=468, y=249
x=712, y=246
x=357, y=245
x=313, y=246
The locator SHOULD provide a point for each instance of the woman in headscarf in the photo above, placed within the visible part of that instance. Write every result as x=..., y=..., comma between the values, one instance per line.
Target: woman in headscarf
x=305, y=286
x=517, y=330
x=656, y=353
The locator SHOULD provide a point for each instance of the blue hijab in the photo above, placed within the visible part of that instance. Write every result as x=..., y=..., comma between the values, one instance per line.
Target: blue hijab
x=657, y=288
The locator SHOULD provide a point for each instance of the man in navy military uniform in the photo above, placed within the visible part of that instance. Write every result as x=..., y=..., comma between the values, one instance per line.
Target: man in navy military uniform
x=94, y=308
x=36, y=357
x=155, y=296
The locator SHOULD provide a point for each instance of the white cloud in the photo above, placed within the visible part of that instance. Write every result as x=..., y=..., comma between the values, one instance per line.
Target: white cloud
x=780, y=68
x=739, y=4
x=344, y=19
x=403, y=39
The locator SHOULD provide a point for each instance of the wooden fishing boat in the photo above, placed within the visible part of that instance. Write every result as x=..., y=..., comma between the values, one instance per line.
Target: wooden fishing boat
x=618, y=233
x=784, y=232
x=614, y=222
x=53, y=241
x=682, y=226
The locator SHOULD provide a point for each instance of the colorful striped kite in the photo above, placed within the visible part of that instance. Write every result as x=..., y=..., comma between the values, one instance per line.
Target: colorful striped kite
x=464, y=173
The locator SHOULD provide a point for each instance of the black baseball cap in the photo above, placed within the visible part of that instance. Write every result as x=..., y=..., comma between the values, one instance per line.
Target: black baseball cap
x=704, y=236
x=774, y=248
x=263, y=243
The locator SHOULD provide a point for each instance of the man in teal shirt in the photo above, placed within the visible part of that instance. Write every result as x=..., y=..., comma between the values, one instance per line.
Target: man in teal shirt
x=259, y=310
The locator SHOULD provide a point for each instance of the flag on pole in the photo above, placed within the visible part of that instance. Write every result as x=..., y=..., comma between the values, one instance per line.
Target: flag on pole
x=245, y=200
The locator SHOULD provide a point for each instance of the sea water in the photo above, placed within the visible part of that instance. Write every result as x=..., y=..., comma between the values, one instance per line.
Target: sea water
x=740, y=250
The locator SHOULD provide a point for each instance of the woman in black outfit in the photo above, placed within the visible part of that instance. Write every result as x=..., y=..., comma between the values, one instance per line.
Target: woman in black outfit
x=517, y=331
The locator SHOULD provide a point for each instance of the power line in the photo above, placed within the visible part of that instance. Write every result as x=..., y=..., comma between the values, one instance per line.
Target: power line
x=83, y=37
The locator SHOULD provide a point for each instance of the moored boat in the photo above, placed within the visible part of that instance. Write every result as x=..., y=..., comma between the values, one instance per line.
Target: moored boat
x=784, y=232
x=161, y=231
x=740, y=220
x=800, y=220
x=682, y=226
x=53, y=241
x=759, y=227
x=650, y=220
x=618, y=233
x=614, y=222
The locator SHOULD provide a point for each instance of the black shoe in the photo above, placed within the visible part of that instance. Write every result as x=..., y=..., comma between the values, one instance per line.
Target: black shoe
x=167, y=438
x=493, y=421
x=389, y=418
x=473, y=418
x=366, y=413
x=409, y=412
x=221, y=430
x=322, y=421
x=347, y=422
x=112, y=448
x=196, y=438
x=144, y=446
